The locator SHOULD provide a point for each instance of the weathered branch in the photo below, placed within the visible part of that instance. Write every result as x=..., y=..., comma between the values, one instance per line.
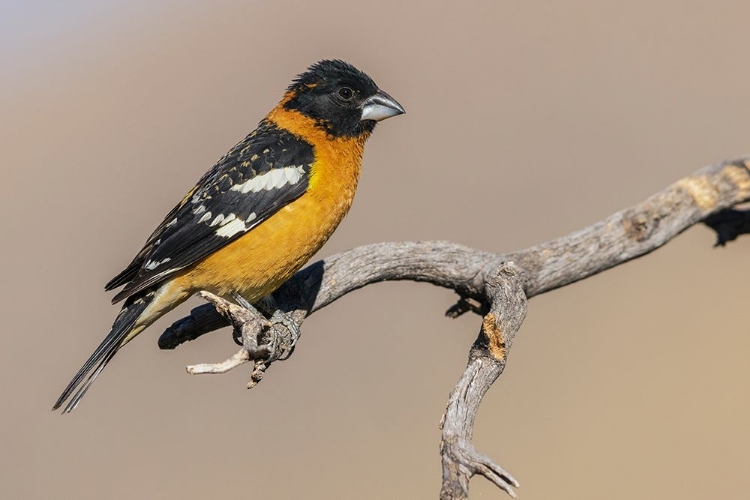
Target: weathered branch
x=461, y=461
x=489, y=284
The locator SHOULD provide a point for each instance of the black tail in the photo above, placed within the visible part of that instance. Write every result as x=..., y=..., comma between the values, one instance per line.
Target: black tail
x=123, y=325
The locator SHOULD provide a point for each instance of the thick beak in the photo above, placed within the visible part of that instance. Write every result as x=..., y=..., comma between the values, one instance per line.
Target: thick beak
x=381, y=106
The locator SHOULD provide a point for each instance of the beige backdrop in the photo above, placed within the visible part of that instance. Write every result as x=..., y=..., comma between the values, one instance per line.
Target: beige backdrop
x=526, y=120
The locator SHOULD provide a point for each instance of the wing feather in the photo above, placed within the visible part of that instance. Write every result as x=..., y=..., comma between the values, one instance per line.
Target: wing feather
x=267, y=170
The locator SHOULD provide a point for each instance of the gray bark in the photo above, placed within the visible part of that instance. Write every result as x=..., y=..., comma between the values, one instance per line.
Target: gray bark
x=496, y=286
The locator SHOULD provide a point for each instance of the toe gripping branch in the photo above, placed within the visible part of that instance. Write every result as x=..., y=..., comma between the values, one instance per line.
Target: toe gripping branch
x=507, y=301
x=265, y=337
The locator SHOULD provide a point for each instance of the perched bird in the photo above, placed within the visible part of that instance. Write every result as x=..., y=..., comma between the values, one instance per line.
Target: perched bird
x=259, y=214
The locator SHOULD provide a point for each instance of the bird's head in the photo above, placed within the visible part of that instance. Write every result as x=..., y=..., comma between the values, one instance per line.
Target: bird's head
x=340, y=98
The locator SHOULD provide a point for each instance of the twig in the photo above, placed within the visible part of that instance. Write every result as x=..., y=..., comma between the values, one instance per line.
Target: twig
x=241, y=357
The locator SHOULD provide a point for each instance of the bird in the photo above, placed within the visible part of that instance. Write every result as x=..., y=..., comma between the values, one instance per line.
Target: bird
x=258, y=215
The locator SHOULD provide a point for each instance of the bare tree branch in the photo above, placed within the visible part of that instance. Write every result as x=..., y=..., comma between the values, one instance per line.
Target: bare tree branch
x=487, y=358
x=496, y=286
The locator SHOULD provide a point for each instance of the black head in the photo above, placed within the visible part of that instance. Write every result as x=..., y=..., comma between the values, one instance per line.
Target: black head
x=341, y=99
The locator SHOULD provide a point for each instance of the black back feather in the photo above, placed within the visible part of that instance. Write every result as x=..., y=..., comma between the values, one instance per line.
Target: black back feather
x=186, y=236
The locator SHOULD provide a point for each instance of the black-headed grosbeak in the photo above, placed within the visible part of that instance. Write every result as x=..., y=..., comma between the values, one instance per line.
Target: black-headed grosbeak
x=259, y=214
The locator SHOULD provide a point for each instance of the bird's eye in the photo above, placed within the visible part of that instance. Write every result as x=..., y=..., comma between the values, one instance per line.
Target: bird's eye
x=346, y=93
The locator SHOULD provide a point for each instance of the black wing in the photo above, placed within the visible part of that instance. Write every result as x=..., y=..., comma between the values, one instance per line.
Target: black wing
x=267, y=170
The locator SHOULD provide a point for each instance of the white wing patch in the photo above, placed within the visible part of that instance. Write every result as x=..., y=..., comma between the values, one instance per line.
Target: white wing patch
x=218, y=220
x=232, y=228
x=273, y=179
x=153, y=264
x=231, y=225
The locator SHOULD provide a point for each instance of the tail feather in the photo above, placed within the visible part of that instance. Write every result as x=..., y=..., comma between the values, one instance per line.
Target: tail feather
x=125, y=276
x=73, y=403
x=117, y=337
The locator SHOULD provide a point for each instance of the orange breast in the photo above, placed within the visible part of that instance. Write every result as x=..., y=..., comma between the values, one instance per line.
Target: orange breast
x=260, y=261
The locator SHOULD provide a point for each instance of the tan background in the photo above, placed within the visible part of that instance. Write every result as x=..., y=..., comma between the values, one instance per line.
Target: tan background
x=526, y=120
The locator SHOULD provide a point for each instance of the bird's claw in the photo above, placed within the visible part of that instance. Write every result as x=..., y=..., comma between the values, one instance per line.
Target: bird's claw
x=280, y=333
x=265, y=336
x=283, y=319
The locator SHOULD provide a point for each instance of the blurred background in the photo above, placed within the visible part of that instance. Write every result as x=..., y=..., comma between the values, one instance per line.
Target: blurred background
x=526, y=120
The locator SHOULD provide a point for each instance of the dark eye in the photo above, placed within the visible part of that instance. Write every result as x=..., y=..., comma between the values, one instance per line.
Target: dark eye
x=346, y=93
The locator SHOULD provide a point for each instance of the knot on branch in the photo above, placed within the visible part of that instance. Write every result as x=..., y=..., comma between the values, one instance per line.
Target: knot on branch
x=640, y=226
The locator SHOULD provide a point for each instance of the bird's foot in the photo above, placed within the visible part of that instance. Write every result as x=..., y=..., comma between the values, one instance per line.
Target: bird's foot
x=286, y=337
x=242, y=301
x=279, y=343
x=279, y=336
x=264, y=338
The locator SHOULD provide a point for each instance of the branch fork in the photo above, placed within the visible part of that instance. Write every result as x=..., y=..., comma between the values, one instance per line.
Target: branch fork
x=494, y=286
